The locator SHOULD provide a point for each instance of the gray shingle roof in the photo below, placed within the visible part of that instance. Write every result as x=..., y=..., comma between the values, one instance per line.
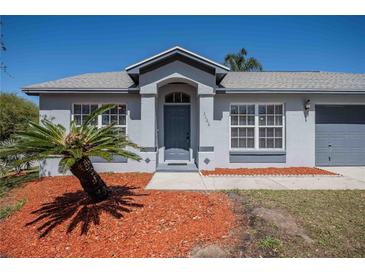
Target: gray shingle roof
x=102, y=80
x=294, y=81
x=233, y=80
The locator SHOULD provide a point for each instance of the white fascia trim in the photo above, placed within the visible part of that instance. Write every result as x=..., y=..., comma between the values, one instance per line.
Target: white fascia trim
x=71, y=91
x=296, y=91
x=177, y=48
x=76, y=89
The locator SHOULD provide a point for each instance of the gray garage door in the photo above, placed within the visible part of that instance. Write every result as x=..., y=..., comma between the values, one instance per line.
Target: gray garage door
x=340, y=135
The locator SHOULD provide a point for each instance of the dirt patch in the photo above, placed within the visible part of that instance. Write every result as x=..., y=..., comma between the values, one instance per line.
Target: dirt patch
x=257, y=224
x=283, y=220
x=59, y=220
x=210, y=251
x=285, y=171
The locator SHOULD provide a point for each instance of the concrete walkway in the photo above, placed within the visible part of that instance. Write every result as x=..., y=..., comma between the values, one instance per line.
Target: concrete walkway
x=193, y=181
x=176, y=180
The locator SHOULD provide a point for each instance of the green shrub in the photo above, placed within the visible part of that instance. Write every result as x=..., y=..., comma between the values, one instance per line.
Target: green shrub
x=15, y=114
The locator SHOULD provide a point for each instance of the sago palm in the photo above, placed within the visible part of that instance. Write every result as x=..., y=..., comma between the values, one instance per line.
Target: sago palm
x=75, y=148
x=240, y=62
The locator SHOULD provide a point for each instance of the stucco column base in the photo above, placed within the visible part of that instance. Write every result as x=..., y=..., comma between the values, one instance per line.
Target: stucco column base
x=148, y=162
x=206, y=160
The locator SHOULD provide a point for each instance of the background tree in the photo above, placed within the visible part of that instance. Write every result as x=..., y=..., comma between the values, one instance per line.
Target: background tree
x=75, y=148
x=3, y=48
x=15, y=114
x=240, y=62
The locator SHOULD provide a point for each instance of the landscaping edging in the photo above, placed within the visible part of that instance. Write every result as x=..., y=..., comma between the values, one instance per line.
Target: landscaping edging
x=237, y=175
x=268, y=172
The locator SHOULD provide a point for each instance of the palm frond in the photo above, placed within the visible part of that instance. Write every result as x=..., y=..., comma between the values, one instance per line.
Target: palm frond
x=48, y=140
x=65, y=164
x=101, y=153
x=95, y=114
x=253, y=65
x=240, y=62
x=242, y=52
x=231, y=61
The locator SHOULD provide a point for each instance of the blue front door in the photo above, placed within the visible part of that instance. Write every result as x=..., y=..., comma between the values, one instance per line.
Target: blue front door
x=177, y=132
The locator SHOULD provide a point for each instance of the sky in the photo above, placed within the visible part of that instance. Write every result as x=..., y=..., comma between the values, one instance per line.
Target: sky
x=43, y=48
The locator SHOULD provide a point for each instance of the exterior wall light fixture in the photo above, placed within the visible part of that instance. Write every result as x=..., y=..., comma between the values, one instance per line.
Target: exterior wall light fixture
x=307, y=106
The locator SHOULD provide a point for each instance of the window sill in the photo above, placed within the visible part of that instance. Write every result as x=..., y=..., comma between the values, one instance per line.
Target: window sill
x=257, y=152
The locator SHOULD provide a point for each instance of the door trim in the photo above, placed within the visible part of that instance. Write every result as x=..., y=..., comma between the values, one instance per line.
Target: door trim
x=191, y=155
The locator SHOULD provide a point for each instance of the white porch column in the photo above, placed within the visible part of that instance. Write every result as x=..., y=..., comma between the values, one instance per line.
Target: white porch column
x=148, y=119
x=206, y=155
x=148, y=126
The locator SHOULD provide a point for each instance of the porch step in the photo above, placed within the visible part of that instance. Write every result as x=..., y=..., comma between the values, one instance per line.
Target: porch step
x=177, y=168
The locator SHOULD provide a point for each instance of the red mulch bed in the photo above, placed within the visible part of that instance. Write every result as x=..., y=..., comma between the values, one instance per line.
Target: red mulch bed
x=58, y=220
x=285, y=171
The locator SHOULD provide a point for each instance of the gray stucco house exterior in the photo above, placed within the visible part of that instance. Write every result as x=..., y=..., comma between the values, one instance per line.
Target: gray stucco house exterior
x=184, y=109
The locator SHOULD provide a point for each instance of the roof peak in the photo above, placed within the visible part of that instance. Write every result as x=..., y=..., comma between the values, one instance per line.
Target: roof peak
x=174, y=49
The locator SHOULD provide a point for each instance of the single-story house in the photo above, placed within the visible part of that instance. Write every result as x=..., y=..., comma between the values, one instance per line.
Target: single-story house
x=184, y=109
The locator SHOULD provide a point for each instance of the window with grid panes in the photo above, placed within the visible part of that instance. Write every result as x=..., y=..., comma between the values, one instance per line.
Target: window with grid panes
x=82, y=111
x=243, y=126
x=118, y=116
x=257, y=126
x=271, y=126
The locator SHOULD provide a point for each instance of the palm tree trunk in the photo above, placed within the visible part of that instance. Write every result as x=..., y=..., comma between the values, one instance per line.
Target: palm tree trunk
x=90, y=180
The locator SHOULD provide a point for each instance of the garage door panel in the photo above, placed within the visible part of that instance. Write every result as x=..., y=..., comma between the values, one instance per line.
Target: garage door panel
x=340, y=135
x=347, y=159
x=340, y=114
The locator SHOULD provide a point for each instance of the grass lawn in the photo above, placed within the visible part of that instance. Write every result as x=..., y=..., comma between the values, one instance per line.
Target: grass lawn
x=7, y=210
x=334, y=221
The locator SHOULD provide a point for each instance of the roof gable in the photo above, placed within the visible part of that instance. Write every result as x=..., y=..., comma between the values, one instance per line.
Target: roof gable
x=176, y=53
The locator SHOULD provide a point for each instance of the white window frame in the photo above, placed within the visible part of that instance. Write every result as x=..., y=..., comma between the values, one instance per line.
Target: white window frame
x=99, y=118
x=257, y=127
x=177, y=103
x=241, y=126
x=73, y=110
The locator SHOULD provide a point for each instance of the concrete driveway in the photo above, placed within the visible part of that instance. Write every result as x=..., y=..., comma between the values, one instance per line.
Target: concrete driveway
x=350, y=178
x=357, y=173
